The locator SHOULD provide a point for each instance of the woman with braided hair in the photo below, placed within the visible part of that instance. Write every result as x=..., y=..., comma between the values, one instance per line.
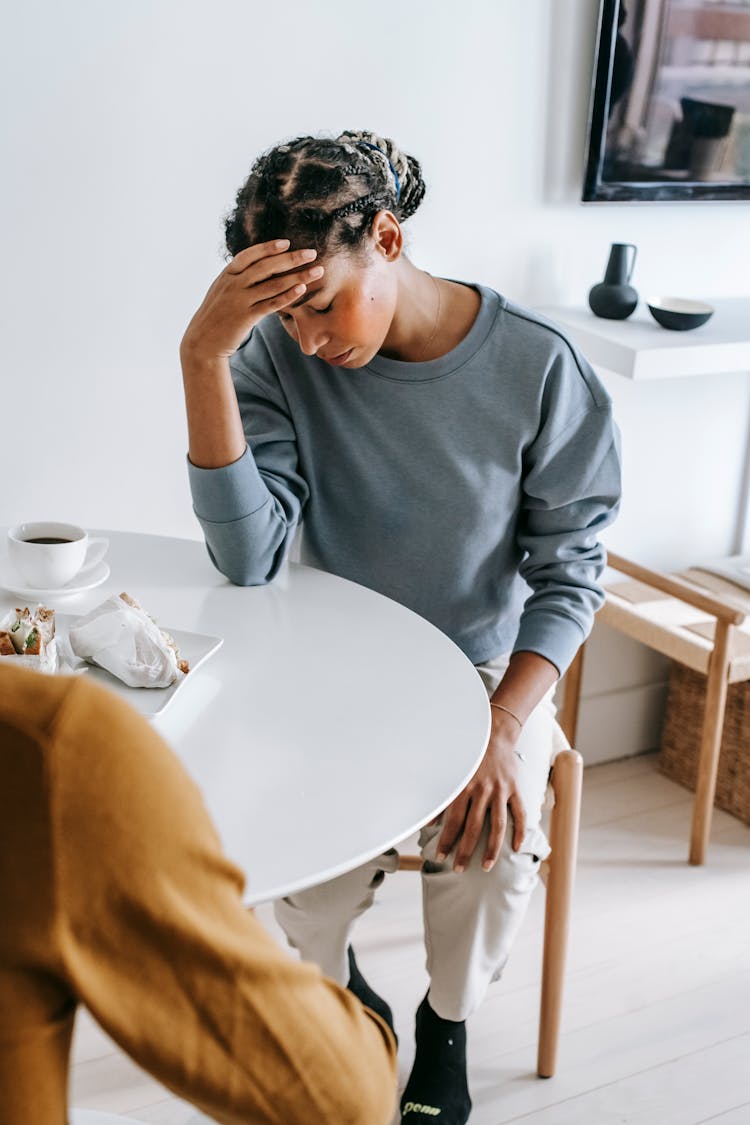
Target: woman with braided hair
x=443, y=446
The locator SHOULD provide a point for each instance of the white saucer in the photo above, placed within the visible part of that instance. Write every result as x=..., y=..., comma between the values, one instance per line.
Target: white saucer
x=84, y=580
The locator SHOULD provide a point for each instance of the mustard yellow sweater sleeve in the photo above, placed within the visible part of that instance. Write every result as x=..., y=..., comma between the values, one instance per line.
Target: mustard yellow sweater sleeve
x=114, y=892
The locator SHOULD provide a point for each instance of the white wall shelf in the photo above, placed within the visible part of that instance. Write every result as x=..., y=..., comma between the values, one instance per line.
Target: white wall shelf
x=639, y=348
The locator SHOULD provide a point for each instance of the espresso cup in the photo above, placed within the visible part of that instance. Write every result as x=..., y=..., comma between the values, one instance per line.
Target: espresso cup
x=48, y=554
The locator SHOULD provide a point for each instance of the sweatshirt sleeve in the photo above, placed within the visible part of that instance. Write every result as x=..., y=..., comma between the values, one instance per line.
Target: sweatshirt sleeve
x=571, y=492
x=250, y=510
x=155, y=940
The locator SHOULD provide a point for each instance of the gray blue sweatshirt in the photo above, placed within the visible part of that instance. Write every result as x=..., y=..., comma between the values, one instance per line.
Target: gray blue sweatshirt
x=470, y=488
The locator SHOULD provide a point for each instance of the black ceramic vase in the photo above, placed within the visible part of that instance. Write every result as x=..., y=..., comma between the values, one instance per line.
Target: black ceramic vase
x=614, y=298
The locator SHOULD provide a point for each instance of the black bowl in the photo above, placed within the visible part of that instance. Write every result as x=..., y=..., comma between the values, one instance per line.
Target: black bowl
x=678, y=314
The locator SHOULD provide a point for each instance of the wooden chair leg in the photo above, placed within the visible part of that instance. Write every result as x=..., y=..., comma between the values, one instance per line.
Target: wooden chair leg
x=572, y=697
x=567, y=775
x=708, y=756
x=409, y=863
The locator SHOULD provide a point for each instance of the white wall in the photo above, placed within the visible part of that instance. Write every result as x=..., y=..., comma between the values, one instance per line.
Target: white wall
x=130, y=128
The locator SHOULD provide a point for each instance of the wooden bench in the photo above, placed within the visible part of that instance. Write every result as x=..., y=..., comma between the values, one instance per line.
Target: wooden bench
x=697, y=619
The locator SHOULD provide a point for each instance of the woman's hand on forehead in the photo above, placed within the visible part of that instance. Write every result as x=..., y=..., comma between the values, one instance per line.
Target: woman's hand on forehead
x=271, y=258
x=262, y=279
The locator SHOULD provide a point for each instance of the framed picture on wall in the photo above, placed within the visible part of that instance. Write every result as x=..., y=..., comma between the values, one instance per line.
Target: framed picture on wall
x=669, y=114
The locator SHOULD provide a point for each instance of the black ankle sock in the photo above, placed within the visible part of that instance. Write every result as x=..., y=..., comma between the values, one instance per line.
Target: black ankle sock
x=361, y=989
x=438, y=1078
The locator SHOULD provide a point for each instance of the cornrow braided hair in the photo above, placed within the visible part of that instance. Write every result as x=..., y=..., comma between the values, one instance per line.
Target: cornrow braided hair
x=324, y=192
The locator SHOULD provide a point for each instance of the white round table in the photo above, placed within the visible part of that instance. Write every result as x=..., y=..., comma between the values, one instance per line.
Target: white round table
x=330, y=725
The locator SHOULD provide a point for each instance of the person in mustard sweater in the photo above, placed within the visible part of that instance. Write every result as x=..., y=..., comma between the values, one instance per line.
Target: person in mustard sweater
x=115, y=893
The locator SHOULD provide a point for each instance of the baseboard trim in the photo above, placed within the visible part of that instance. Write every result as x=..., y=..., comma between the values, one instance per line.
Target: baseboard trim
x=621, y=724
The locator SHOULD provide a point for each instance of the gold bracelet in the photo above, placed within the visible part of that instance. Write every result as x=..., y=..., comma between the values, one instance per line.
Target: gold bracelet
x=507, y=711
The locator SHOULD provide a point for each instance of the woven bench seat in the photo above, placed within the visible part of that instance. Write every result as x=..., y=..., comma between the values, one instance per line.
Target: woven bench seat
x=675, y=629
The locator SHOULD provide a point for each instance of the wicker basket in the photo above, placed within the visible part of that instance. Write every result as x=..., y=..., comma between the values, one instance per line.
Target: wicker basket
x=680, y=740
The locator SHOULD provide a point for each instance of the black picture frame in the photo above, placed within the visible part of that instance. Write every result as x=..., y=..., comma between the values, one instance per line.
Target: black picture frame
x=600, y=187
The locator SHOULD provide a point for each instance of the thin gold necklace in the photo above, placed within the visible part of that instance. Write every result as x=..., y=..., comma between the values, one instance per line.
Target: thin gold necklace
x=431, y=336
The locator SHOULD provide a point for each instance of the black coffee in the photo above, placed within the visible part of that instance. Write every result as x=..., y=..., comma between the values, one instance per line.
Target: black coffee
x=48, y=539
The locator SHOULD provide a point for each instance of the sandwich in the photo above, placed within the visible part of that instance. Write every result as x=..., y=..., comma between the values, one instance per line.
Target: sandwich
x=30, y=634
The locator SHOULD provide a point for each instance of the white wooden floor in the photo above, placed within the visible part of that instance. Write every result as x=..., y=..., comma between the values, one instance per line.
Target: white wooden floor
x=656, y=1027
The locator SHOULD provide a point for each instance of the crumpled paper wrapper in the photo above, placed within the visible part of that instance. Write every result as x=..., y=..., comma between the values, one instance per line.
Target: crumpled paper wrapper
x=124, y=640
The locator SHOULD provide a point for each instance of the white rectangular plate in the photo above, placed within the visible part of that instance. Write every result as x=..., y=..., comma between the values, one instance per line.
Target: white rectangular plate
x=196, y=648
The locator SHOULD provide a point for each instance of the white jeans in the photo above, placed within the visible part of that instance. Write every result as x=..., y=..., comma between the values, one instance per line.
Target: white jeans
x=470, y=919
